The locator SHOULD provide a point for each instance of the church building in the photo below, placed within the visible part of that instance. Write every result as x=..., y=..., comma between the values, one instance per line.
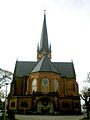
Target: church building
x=43, y=86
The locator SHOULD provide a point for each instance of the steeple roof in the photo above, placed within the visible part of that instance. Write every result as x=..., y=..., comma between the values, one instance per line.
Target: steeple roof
x=44, y=36
x=45, y=65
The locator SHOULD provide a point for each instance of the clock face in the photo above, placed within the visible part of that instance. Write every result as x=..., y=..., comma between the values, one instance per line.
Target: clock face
x=45, y=81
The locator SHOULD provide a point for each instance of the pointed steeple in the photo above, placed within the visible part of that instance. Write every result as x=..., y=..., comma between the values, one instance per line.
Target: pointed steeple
x=44, y=36
x=50, y=48
x=38, y=47
x=44, y=47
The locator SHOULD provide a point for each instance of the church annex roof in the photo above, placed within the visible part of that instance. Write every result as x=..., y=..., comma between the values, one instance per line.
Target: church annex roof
x=45, y=65
x=24, y=68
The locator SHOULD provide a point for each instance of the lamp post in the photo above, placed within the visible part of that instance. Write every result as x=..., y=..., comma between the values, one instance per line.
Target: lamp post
x=6, y=84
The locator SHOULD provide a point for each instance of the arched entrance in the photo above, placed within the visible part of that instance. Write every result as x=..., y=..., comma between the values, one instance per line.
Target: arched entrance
x=45, y=106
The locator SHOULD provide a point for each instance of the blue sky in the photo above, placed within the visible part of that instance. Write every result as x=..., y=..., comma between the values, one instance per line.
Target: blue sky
x=68, y=24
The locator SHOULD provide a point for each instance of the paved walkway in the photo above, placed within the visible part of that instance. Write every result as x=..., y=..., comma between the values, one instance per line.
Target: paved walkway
x=46, y=117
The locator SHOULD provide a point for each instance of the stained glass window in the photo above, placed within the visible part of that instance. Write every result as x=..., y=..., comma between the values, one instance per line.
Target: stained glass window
x=34, y=85
x=56, y=85
x=45, y=85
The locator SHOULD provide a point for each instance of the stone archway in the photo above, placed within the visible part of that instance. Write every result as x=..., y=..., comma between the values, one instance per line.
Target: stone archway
x=45, y=106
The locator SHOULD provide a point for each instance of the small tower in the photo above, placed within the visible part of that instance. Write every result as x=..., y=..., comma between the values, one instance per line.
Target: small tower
x=44, y=48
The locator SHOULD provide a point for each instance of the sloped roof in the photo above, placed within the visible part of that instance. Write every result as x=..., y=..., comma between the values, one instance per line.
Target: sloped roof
x=66, y=69
x=45, y=65
x=24, y=68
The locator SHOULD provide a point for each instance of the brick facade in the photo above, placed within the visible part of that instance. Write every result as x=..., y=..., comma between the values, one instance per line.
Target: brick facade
x=66, y=98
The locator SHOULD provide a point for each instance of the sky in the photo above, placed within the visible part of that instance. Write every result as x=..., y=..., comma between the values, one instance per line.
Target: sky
x=68, y=26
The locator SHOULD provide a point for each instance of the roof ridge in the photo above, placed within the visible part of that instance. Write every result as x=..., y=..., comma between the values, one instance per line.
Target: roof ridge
x=45, y=65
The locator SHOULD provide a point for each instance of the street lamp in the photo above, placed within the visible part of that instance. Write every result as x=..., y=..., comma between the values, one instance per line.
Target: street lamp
x=6, y=84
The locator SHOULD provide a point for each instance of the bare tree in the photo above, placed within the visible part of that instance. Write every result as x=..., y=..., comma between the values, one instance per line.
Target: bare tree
x=86, y=95
x=5, y=77
x=88, y=78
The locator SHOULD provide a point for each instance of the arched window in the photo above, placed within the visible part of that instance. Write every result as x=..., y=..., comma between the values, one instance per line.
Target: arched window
x=34, y=85
x=45, y=85
x=56, y=85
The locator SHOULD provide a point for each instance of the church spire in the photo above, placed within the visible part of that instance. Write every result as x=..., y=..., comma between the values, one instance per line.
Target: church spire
x=44, y=36
x=44, y=46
